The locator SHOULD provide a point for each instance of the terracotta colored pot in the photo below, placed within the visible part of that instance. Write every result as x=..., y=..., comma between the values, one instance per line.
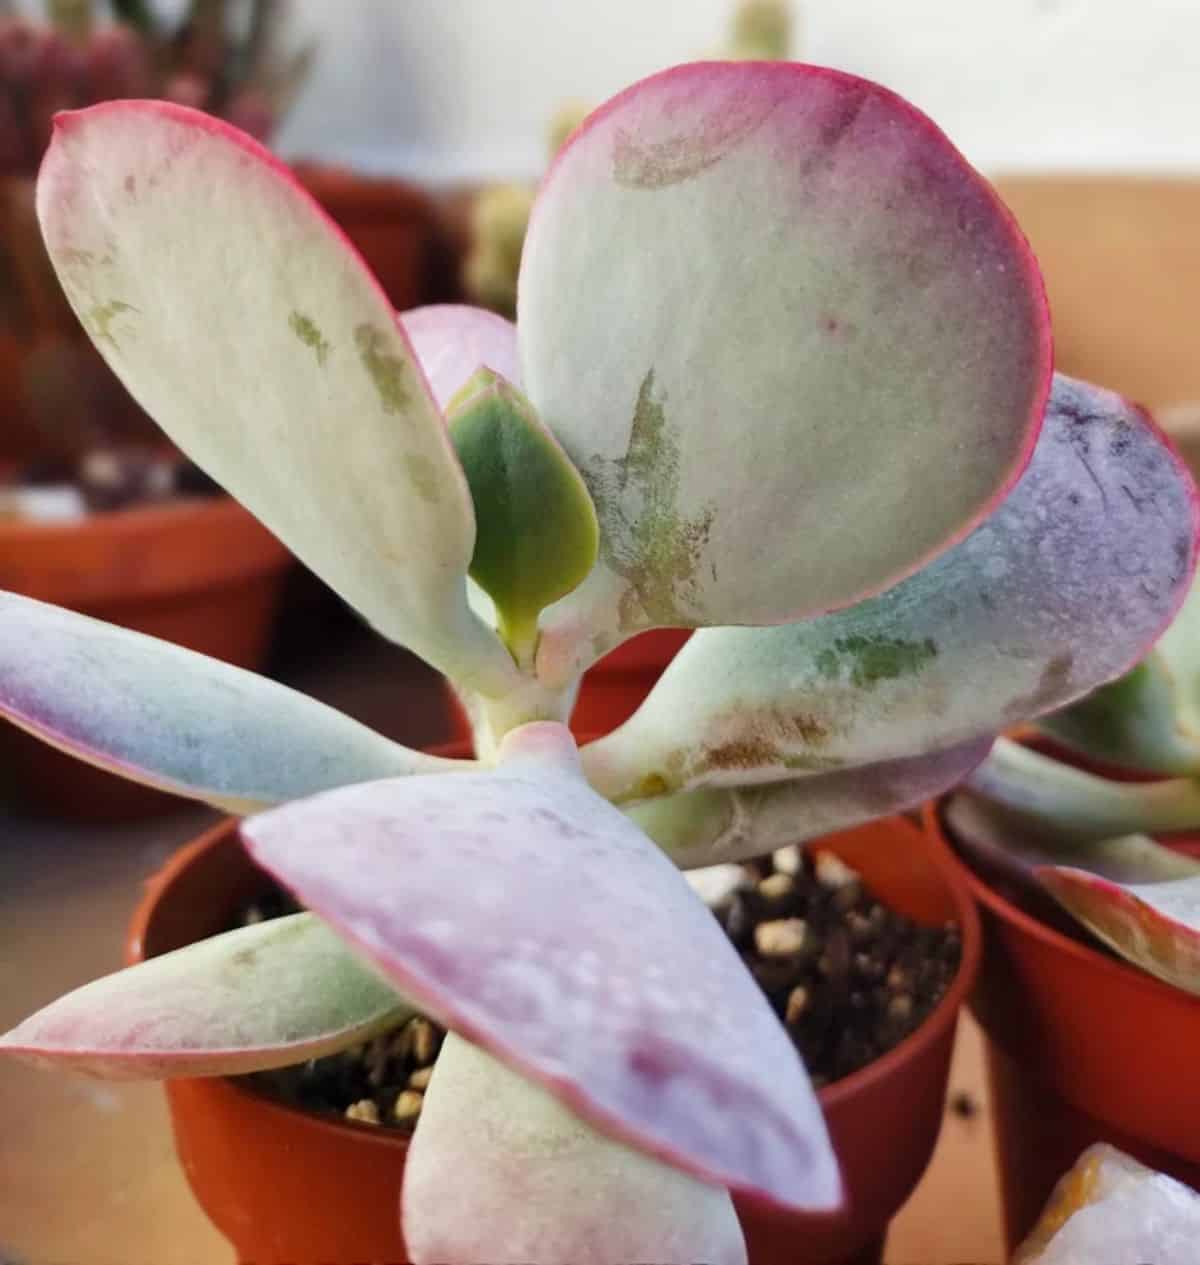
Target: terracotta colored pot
x=202, y=573
x=286, y=1185
x=395, y=227
x=1082, y=1048
x=613, y=689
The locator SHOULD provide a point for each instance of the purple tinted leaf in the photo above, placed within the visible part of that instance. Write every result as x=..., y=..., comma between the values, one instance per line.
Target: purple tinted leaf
x=536, y=920
x=177, y=720
x=498, y=1167
x=1063, y=588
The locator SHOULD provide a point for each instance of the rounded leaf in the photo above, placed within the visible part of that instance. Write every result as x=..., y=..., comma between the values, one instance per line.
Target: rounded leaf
x=794, y=343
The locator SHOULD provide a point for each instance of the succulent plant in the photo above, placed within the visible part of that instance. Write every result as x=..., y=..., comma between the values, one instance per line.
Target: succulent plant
x=1085, y=834
x=782, y=375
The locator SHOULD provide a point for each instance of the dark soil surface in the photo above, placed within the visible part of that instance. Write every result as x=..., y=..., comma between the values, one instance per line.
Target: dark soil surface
x=848, y=978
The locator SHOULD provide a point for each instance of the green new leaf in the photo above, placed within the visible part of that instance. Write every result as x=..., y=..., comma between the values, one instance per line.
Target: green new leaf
x=537, y=534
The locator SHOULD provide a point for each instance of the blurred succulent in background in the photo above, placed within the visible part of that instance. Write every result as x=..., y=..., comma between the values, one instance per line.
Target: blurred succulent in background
x=227, y=57
x=781, y=375
x=1084, y=835
x=760, y=30
x=223, y=56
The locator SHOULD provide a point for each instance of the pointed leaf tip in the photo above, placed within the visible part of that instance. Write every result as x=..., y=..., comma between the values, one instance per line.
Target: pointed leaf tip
x=534, y=919
x=1154, y=925
x=264, y=996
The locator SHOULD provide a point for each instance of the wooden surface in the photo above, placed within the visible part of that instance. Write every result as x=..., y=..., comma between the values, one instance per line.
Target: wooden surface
x=87, y=1171
x=1121, y=259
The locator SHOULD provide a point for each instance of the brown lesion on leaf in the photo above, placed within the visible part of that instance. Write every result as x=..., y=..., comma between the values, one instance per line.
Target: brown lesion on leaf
x=649, y=165
x=389, y=373
x=308, y=332
x=1047, y=694
x=778, y=739
x=644, y=538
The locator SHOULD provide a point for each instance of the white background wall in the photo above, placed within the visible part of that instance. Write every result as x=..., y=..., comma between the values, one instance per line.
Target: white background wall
x=462, y=89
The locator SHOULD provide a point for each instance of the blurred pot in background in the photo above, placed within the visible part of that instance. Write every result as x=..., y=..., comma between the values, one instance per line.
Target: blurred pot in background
x=1121, y=259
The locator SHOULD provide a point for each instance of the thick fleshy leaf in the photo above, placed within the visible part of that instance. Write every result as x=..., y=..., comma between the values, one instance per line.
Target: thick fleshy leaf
x=500, y=1170
x=538, y=534
x=243, y=322
x=1059, y=591
x=452, y=341
x=537, y=921
x=1001, y=840
x=716, y=825
x=1111, y=1208
x=263, y=996
x=177, y=720
x=1150, y=718
x=1153, y=925
x=1078, y=807
x=793, y=341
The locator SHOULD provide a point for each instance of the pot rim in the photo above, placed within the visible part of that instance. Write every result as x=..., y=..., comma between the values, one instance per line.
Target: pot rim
x=135, y=520
x=944, y=1014
x=1035, y=929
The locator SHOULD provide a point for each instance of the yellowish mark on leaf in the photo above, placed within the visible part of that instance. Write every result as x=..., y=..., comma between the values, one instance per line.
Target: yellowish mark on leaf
x=306, y=330
x=389, y=373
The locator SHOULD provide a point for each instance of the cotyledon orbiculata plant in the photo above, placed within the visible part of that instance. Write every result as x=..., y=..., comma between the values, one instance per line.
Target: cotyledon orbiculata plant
x=781, y=374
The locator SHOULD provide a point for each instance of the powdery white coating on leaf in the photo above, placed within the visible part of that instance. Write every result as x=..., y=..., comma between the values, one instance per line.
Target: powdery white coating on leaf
x=706, y=827
x=241, y=319
x=178, y=720
x=1065, y=585
x=452, y=341
x=536, y=920
x=499, y=1169
x=1150, y=718
x=263, y=996
x=1110, y=1208
x=798, y=257
x=1153, y=925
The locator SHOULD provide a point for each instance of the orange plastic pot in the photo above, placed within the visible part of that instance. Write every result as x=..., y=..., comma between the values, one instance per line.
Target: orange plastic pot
x=613, y=689
x=285, y=1185
x=1082, y=1048
x=202, y=573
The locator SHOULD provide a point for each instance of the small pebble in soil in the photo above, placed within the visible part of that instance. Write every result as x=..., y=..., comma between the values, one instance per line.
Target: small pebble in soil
x=848, y=977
